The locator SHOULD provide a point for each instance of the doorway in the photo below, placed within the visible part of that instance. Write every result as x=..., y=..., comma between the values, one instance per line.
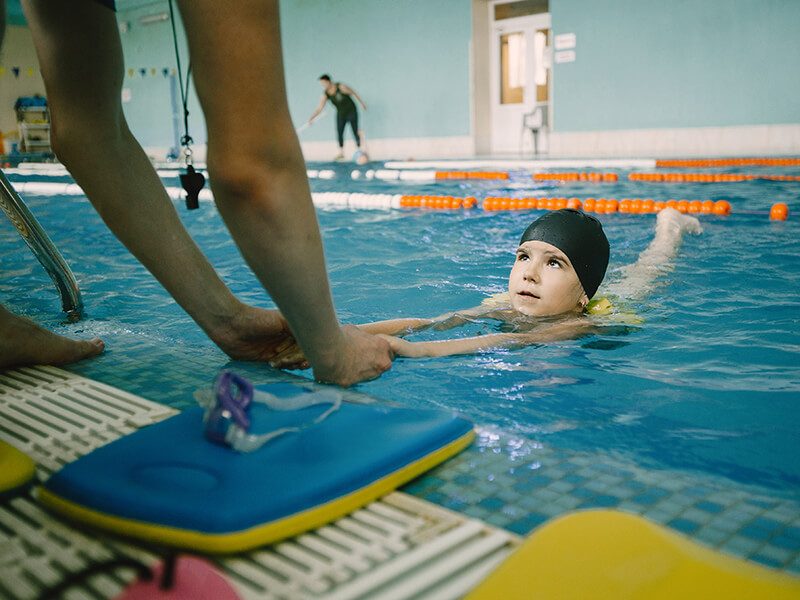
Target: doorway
x=520, y=79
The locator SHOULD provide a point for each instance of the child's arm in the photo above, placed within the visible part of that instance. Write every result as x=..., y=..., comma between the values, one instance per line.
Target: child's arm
x=396, y=326
x=564, y=330
x=637, y=279
x=291, y=357
x=410, y=325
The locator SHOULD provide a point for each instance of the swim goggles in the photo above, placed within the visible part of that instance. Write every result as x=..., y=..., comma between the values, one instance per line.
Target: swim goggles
x=227, y=411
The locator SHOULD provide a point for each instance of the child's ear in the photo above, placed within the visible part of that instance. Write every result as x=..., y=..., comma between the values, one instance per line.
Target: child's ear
x=584, y=301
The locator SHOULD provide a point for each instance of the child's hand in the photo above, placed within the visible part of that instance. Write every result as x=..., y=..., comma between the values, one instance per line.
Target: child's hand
x=691, y=224
x=291, y=357
x=669, y=217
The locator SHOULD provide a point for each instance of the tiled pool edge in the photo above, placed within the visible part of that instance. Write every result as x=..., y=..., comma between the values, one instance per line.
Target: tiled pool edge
x=521, y=493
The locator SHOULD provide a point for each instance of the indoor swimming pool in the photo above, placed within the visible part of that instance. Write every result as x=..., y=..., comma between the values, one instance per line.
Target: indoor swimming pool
x=688, y=416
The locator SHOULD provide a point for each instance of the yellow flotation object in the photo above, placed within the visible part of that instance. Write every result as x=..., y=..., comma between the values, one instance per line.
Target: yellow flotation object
x=16, y=469
x=599, y=306
x=606, y=554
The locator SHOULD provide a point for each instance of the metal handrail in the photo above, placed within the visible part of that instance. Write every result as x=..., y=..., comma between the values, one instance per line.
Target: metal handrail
x=43, y=248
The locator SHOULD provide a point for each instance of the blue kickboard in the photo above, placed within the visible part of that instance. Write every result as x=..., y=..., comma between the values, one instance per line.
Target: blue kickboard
x=169, y=474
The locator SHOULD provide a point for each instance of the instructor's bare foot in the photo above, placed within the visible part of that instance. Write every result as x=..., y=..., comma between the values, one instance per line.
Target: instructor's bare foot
x=23, y=342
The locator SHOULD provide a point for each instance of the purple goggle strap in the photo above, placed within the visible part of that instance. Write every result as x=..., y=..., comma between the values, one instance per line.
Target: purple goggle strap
x=234, y=394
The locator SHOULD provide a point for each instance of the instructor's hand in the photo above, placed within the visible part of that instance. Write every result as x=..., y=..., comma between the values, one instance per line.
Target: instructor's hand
x=361, y=357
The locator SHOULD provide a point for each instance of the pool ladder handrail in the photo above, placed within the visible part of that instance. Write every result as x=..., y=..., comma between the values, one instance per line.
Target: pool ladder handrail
x=43, y=248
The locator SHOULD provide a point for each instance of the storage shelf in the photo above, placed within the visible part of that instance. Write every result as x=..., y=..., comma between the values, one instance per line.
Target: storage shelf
x=33, y=124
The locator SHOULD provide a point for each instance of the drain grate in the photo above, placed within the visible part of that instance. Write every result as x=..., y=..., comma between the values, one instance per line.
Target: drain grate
x=395, y=548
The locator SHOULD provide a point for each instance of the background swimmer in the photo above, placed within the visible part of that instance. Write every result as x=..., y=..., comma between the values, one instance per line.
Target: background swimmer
x=341, y=96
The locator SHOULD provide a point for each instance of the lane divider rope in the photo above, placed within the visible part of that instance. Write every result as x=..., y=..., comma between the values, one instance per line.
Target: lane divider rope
x=779, y=211
x=706, y=177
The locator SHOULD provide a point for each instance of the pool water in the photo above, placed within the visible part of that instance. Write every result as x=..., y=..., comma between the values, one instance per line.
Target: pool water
x=705, y=391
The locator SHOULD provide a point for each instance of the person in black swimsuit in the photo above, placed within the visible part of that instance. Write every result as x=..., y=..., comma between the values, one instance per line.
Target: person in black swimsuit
x=341, y=96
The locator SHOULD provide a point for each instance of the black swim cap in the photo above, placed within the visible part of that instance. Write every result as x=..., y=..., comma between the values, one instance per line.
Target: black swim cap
x=580, y=237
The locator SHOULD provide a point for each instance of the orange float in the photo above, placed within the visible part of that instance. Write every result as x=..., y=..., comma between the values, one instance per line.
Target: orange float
x=722, y=207
x=779, y=212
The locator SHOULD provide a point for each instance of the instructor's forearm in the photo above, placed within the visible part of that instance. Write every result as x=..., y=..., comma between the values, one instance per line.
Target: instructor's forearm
x=278, y=235
x=133, y=203
x=565, y=330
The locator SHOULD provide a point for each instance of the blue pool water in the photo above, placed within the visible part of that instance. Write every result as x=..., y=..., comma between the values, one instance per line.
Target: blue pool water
x=709, y=385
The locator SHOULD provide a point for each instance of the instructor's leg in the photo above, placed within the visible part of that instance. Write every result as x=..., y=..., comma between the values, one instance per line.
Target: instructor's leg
x=80, y=56
x=259, y=179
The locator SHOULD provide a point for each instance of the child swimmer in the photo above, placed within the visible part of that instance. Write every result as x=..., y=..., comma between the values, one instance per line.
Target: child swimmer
x=560, y=263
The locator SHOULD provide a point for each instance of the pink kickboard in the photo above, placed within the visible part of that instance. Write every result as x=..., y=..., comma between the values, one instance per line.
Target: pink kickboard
x=195, y=579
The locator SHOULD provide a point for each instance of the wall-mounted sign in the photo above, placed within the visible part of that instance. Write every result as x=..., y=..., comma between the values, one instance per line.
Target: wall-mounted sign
x=565, y=41
x=565, y=56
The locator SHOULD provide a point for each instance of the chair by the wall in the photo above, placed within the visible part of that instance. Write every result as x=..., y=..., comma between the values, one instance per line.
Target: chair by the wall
x=535, y=121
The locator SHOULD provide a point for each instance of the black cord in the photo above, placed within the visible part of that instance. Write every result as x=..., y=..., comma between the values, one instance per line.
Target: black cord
x=192, y=181
x=186, y=139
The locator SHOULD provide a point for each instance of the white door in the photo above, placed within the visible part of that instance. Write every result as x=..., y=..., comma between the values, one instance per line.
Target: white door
x=519, y=78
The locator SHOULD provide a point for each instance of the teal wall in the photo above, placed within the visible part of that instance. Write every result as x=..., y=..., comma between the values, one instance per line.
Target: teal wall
x=679, y=63
x=408, y=60
x=413, y=77
x=640, y=64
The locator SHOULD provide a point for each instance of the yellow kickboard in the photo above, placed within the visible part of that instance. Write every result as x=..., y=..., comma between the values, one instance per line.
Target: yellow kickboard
x=16, y=468
x=609, y=554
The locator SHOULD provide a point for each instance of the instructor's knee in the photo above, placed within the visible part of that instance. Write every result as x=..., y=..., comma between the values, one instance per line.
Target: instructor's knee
x=72, y=139
x=250, y=176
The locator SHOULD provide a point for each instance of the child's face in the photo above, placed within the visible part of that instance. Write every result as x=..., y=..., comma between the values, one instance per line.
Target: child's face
x=543, y=282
